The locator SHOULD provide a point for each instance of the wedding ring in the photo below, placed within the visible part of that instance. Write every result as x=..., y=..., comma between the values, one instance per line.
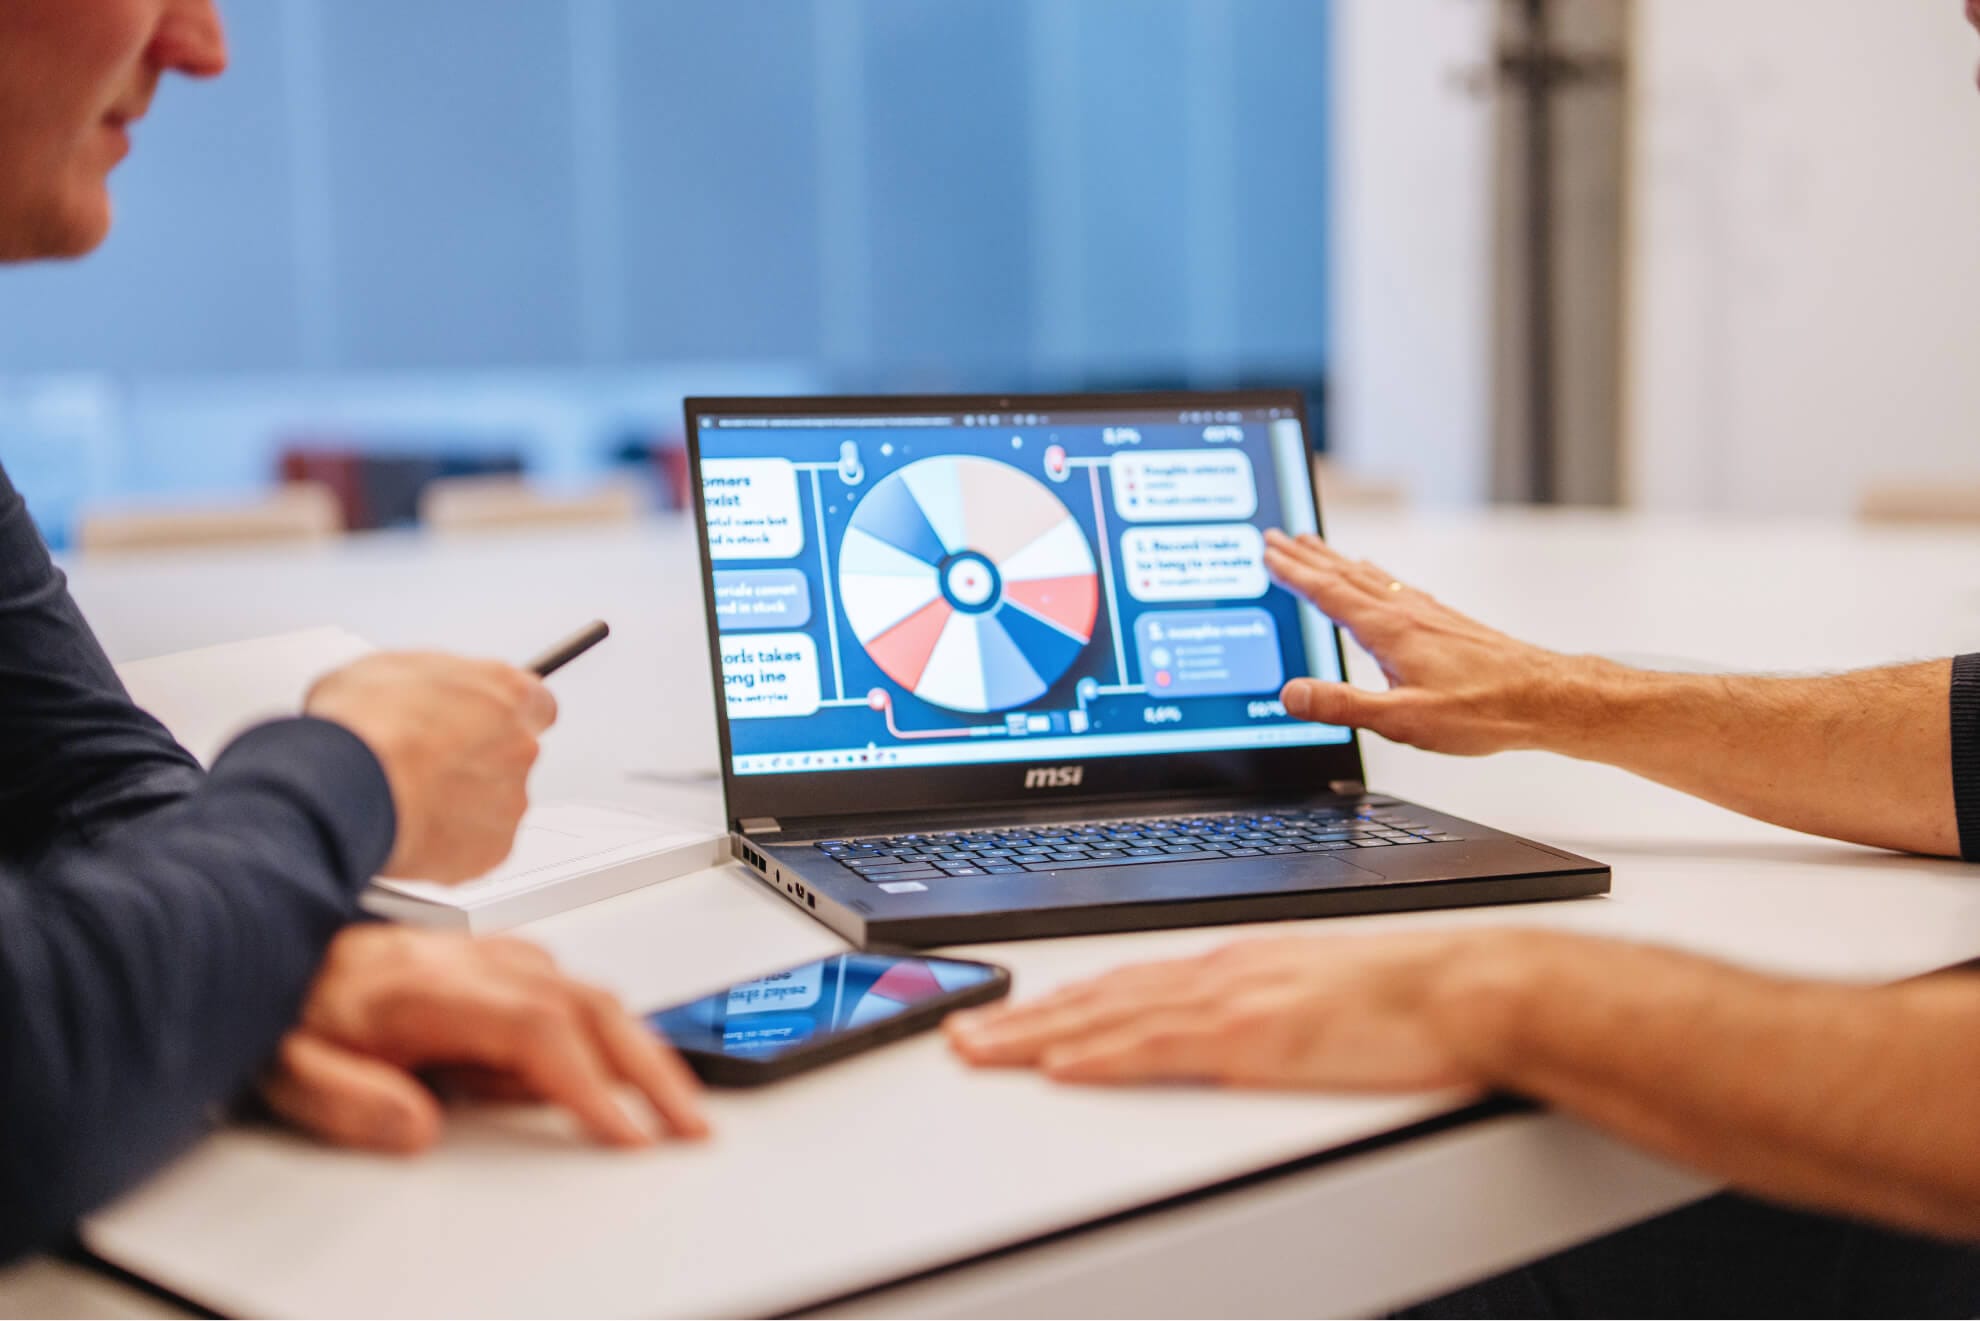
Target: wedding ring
x=1395, y=586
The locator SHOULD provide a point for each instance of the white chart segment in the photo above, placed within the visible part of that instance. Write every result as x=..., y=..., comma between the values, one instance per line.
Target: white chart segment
x=880, y=586
x=954, y=676
x=863, y=553
x=1061, y=552
x=882, y=602
x=937, y=488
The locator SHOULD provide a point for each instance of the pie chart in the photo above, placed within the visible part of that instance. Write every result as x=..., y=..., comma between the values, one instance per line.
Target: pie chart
x=968, y=583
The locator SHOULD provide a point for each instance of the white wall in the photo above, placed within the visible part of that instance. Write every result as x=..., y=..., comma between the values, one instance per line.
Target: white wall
x=1805, y=255
x=1411, y=244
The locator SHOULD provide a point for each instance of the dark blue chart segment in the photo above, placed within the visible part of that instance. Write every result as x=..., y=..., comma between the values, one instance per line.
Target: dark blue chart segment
x=890, y=514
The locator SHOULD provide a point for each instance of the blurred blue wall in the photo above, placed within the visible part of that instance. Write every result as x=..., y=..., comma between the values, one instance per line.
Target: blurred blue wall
x=847, y=193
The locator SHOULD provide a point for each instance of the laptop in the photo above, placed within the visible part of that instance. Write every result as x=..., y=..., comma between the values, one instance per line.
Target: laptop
x=1002, y=667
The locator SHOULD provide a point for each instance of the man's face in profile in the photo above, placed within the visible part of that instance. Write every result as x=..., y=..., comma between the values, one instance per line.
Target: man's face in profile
x=74, y=74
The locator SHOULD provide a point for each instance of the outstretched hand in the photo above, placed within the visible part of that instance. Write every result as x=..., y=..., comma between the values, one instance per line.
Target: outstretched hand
x=1455, y=685
x=1381, y=1013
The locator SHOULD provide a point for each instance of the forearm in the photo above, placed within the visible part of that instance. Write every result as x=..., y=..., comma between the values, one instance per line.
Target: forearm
x=1851, y=1099
x=144, y=981
x=1864, y=756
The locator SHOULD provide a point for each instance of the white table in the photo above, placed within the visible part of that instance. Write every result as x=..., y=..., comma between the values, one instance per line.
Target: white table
x=873, y=1180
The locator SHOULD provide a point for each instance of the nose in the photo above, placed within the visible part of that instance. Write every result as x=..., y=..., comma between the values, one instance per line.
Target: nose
x=190, y=40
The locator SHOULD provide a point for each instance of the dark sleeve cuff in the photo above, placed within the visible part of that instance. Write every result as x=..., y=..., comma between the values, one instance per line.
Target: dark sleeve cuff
x=1966, y=752
x=330, y=770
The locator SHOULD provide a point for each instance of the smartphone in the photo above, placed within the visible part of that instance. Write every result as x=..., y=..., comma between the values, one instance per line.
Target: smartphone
x=759, y=1031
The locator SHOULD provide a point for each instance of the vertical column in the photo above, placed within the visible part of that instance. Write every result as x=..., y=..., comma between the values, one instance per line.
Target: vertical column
x=319, y=334
x=595, y=153
x=1058, y=303
x=1210, y=193
x=844, y=255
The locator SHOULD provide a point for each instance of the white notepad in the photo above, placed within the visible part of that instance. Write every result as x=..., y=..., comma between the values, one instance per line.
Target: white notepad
x=566, y=853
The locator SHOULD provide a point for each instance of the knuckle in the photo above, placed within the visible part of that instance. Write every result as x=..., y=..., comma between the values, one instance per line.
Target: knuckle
x=599, y=1001
x=540, y=1022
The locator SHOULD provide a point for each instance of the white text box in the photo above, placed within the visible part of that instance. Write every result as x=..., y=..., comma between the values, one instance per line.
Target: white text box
x=1172, y=486
x=1220, y=562
x=753, y=510
x=770, y=674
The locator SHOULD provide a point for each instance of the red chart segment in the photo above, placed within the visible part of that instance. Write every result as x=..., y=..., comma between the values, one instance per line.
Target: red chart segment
x=905, y=984
x=968, y=582
x=904, y=649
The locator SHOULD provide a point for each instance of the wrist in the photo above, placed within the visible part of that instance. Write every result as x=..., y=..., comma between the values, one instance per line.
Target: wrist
x=1578, y=706
x=1485, y=997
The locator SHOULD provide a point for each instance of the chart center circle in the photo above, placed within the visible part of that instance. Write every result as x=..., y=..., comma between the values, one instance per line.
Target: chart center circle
x=970, y=582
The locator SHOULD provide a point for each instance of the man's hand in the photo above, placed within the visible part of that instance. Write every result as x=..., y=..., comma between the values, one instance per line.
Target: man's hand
x=457, y=739
x=1354, y=1014
x=1864, y=757
x=1455, y=685
x=1840, y=1097
x=392, y=1003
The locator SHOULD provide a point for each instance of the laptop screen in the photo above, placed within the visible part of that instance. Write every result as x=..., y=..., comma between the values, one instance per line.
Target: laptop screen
x=941, y=589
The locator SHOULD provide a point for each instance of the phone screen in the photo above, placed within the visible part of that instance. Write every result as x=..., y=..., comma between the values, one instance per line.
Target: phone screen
x=790, y=1009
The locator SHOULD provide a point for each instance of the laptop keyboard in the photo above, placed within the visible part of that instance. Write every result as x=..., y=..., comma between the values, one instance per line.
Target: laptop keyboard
x=1127, y=842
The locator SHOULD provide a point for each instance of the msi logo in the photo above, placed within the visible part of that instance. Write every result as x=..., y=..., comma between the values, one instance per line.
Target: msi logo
x=1053, y=777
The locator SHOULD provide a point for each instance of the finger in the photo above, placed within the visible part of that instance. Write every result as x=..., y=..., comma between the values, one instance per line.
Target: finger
x=554, y=1051
x=1183, y=1045
x=348, y=1098
x=1328, y=587
x=1006, y=1015
x=1316, y=554
x=646, y=1061
x=537, y=705
x=1024, y=1039
x=522, y=955
x=1374, y=579
x=526, y=1026
x=1325, y=703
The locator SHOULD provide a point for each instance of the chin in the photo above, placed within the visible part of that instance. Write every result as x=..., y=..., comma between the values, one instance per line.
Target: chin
x=75, y=229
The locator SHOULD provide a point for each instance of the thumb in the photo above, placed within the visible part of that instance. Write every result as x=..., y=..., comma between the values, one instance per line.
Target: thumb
x=539, y=706
x=1326, y=703
x=350, y=1099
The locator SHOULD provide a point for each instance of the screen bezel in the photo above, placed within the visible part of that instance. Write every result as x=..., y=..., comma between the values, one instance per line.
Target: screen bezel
x=808, y=795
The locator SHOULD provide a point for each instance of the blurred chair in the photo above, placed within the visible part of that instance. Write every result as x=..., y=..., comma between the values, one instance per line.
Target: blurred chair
x=1342, y=489
x=1920, y=502
x=293, y=512
x=475, y=504
x=379, y=481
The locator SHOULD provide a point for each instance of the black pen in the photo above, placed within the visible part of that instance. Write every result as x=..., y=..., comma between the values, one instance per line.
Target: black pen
x=569, y=649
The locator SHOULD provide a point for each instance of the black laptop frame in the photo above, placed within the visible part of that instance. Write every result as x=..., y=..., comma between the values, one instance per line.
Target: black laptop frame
x=1241, y=773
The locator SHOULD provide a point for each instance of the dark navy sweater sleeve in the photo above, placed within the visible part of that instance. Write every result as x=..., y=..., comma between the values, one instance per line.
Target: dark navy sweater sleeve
x=1966, y=752
x=76, y=757
x=159, y=926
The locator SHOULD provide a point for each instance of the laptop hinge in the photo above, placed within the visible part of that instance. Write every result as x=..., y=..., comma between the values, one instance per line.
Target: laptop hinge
x=1348, y=788
x=761, y=825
